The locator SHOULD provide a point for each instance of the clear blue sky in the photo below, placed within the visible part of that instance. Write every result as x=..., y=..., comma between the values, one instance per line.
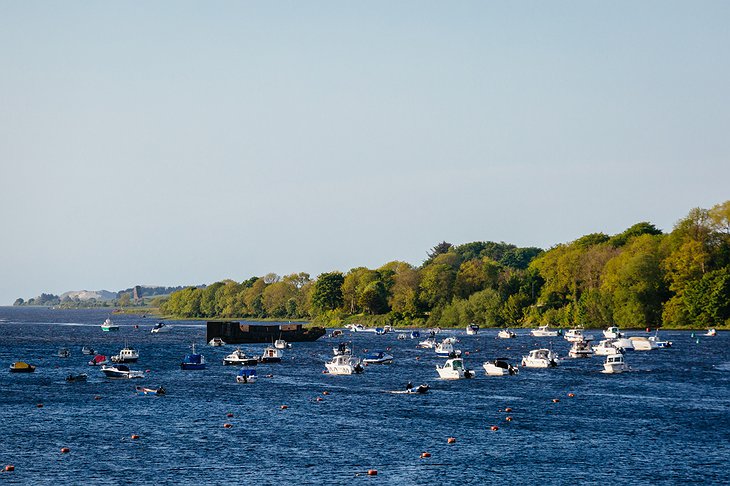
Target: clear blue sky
x=186, y=142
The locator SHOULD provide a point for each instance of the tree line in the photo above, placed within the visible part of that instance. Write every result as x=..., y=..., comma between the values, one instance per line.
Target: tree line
x=638, y=278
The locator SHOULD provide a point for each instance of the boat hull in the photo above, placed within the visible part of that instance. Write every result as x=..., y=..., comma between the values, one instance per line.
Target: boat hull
x=192, y=366
x=237, y=333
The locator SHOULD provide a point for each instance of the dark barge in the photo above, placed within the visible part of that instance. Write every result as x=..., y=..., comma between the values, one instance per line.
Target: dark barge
x=236, y=333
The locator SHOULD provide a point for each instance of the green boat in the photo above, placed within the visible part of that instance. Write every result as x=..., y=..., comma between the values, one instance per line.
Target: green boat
x=109, y=326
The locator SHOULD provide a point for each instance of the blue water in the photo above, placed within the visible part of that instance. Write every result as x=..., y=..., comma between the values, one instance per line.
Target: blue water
x=667, y=422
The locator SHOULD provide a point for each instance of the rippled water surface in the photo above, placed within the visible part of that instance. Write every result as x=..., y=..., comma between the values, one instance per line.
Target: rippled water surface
x=667, y=422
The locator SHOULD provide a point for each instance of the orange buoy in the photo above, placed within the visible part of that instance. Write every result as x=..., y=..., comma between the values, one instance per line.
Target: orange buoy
x=451, y=440
x=65, y=450
x=325, y=392
x=319, y=399
x=495, y=428
x=571, y=395
x=135, y=437
x=555, y=400
x=40, y=405
x=508, y=419
x=9, y=468
x=284, y=407
x=229, y=415
x=508, y=409
x=372, y=472
x=425, y=455
x=227, y=426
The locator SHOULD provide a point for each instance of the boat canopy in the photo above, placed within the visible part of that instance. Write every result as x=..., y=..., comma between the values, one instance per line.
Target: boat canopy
x=193, y=358
x=21, y=365
x=122, y=367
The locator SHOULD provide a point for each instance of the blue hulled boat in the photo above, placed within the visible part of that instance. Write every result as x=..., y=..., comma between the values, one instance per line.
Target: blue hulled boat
x=193, y=361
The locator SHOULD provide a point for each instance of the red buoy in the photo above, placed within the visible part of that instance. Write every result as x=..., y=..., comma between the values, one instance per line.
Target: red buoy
x=425, y=455
x=508, y=409
x=325, y=392
x=555, y=400
x=372, y=472
x=509, y=419
x=40, y=405
x=495, y=428
x=65, y=450
x=9, y=468
x=97, y=397
x=229, y=415
x=284, y=407
x=571, y=395
x=135, y=437
x=451, y=440
x=227, y=426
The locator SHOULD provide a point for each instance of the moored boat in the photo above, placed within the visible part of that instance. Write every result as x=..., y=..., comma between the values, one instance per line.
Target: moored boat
x=355, y=327
x=344, y=364
x=281, y=344
x=581, y=349
x=64, y=353
x=246, y=375
x=506, y=334
x=540, y=358
x=271, y=355
x=216, y=341
x=576, y=335
x=126, y=355
x=238, y=357
x=160, y=327
x=499, y=367
x=545, y=331
x=415, y=334
x=429, y=343
x=21, y=367
x=193, y=361
x=607, y=347
x=454, y=369
x=711, y=332
x=472, y=329
x=98, y=360
x=342, y=348
x=378, y=358
x=612, y=332
x=641, y=343
x=445, y=348
x=141, y=390
x=75, y=378
x=87, y=350
x=615, y=363
x=659, y=342
x=108, y=325
x=336, y=333
x=121, y=371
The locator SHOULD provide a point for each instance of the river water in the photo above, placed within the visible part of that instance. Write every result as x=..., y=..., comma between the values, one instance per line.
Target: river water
x=666, y=422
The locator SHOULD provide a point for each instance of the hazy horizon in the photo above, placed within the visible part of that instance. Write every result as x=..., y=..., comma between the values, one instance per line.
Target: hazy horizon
x=180, y=143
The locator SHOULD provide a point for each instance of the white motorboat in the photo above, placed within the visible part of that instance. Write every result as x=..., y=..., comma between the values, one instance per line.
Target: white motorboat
x=342, y=348
x=87, y=350
x=659, y=343
x=612, y=332
x=641, y=343
x=472, y=329
x=434, y=330
x=281, y=344
x=378, y=358
x=126, y=355
x=540, y=358
x=344, y=364
x=499, y=367
x=121, y=371
x=577, y=335
x=415, y=334
x=271, y=355
x=216, y=341
x=711, y=332
x=246, y=375
x=64, y=353
x=624, y=343
x=238, y=357
x=615, y=363
x=429, y=343
x=109, y=326
x=544, y=331
x=607, y=347
x=506, y=334
x=445, y=348
x=449, y=340
x=336, y=333
x=454, y=369
x=580, y=349
x=355, y=327
x=160, y=327
x=401, y=336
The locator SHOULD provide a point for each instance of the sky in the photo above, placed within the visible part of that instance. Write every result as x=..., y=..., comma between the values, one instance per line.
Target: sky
x=177, y=143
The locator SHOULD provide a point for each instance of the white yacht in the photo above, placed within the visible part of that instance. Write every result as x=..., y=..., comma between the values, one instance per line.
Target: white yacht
x=615, y=364
x=454, y=369
x=499, y=367
x=216, y=341
x=281, y=344
x=577, y=334
x=544, y=331
x=540, y=358
x=612, y=332
x=238, y=357
x=506, y=334
x=607, y=347
x=344, y=364
x=580, y=349
x=643, y=344
x=126, y=355
x=121, y=371
x=472, y=329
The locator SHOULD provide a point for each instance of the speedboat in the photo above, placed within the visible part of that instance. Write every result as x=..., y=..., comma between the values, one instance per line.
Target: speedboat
x=238, y=357
x=615, y=364
x=193, y=361
x=98, y=360
x=446, y=348
x=246, y=375
x=160, y=327
x=281, y=344
x=581, y=349
x=141, y=390
x=126, y=355
x=499, y=367
x=641, y=343
x=344, y=364
x=659, y=343
x=540, y=358
x=378, y=358
x=74, y=378
x=429, y=343
x=576, y=334
x=454, y=369
x=109, y=326
x=121, y=371
x=612, y=333
x=21, y=367
x=87, y=350
x=355, y=327
x=216, y=341
x=506, y=334
x=271, y=355
x=607, y=347
x=472, y=329
x=64, y=353
x=711, y=332
x=544, y=331
x=341, y=348
x=419, y=389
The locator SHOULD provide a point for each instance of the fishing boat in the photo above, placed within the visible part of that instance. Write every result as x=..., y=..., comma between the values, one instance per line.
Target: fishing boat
x=121, y=371
x=238, y=357
x=87, y=350
x=711, y=332
x=271, y=355
x=544, y=331
x=141, y=390
x=76, y=378
x=506, y=334
x=472, y=329
x=63, y=353
x=612, y=332
x=108, y=325
x=160, y=327
x=246, y=375
x=126, y=355
x=499, y=367
x=98, y=360
x=193, y=361
x=216, y=341
x=281, y=344
x=581, y=349
x=378, y=358
x=344, y=364
x=454, y=369
x=540, y=358
x=21, y=367
x=341, y=348
x=615, y=363
x=607, y=347
x=577, y=335
x=641, y=343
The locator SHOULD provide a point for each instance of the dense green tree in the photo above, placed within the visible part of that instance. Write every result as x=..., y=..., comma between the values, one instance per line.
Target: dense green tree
x=327, y=292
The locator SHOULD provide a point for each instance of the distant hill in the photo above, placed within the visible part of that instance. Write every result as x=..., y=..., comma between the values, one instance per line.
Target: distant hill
x=89, y=294
x=93, y=298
